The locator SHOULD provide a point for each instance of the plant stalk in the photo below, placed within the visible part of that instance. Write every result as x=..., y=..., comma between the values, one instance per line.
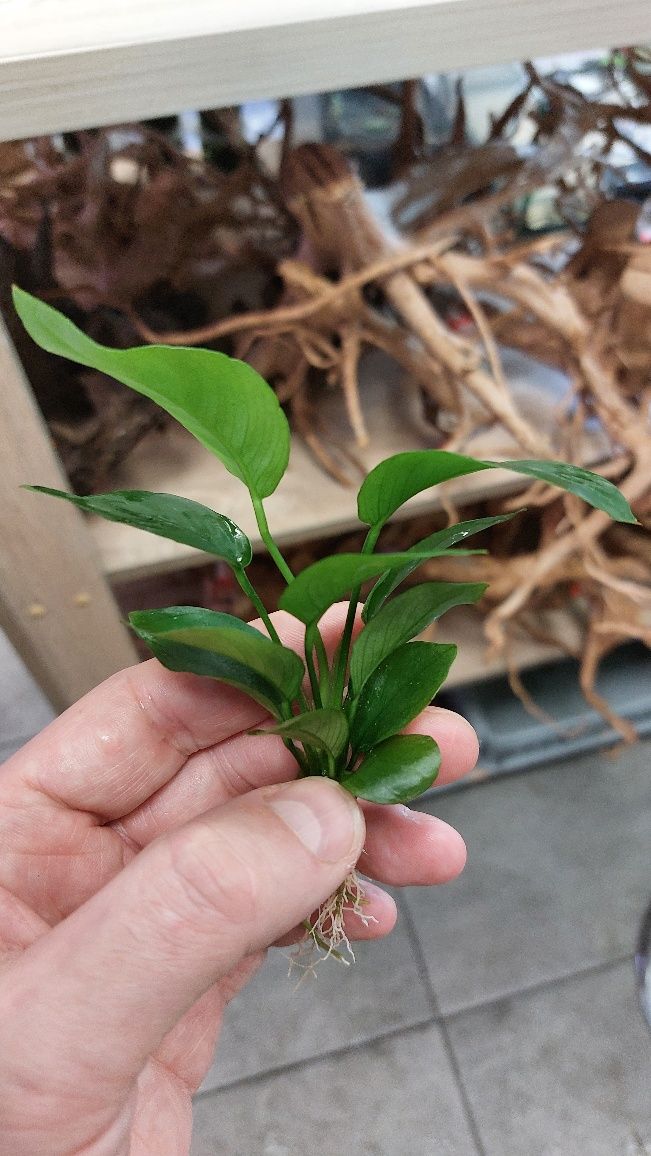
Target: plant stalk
x=324, y=670
x=311, y=668
x=265, y=534
x=341, y=661
x=247, y=587
x=251, y=593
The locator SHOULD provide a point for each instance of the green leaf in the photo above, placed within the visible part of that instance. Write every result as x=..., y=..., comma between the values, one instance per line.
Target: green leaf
x=403, y=618
x=325, y=729
x=400, y=477
x=327, y=581
x=222, y=647
x=223, y=402
x=176, y=656
x=397, y=770
x=592, y=488
x=442, y=539
x=169, y=517
x=397, y=690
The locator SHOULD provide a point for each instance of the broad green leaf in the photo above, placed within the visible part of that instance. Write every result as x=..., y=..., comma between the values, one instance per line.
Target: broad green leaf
x=397, y=690
x=327, y=581
x=169, y=517
x=223, y=402
x=222, y=647
x=397, y=770
x=400, y=477
x=590, y=487
x=442, y=539
x=402, y=619
x=403, y=475
x=176, y=656
x=325, y=729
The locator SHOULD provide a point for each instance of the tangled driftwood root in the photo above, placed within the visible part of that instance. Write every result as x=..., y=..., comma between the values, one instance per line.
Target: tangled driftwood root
x=119, y=219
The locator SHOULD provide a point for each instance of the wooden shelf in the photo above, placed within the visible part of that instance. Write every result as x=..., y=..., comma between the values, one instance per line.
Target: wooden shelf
x=308, y=503
x=71, y=64
x=474, y=662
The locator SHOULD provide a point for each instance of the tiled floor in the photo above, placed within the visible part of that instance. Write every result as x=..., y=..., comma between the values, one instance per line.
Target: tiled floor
x=499, y=1019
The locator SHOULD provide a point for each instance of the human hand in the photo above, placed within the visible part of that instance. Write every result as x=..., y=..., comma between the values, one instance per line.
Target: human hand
x=151, y=851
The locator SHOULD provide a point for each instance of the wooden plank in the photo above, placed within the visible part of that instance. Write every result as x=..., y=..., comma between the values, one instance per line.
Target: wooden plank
x=55, y=605
x=67, y=64
x=475, y=661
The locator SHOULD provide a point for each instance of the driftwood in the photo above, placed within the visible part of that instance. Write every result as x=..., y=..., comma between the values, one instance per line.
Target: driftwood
x=122, y=219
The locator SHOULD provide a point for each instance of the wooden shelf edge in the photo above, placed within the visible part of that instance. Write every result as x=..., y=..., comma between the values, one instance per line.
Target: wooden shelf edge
x=82, y=67
x=474, y=662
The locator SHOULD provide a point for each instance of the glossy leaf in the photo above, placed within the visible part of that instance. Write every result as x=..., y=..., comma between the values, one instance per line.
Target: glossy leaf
x=325, y=729
x=223, y=402
x=397, y=690
x=330, y=579
x=402, y=619
x=590, y=487
x=400, y=477
x=397, y=770
x=169, y=517
x=177, y=656
x=222, y=647
x=442, y=539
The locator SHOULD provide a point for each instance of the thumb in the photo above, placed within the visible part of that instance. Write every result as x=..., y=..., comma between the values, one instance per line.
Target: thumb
x=100, y=991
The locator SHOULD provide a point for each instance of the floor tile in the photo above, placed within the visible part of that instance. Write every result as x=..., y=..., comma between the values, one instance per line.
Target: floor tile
x=278, y=1020
x=394, y=1097
x=561, y=1072
x=24, y=709
x=556, y=881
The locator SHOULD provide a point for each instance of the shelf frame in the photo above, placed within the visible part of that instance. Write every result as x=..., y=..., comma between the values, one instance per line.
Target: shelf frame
x=55, y=603
x=72, y=64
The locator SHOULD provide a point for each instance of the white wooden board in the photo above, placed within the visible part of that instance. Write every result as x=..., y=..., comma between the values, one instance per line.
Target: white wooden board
x=67, y=64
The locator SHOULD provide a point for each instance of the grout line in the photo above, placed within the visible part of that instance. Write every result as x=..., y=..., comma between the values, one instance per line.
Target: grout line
x=464, y=1095
x=419, y=957
x=309, y=1061
x=539, y=986
x=442, y=1020
x=423, y=972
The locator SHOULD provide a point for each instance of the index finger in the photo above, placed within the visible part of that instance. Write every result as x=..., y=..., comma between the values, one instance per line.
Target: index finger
x=130, y=736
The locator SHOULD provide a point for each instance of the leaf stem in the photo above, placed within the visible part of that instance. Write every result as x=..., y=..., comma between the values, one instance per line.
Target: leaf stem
x=302, y=762
x=311, y=669
x=265, y=534
x=251, y=593
x=324, y=670
x=341, y=661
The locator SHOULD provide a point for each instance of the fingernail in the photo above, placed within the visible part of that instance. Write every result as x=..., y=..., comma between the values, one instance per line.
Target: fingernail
x=323, y=816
